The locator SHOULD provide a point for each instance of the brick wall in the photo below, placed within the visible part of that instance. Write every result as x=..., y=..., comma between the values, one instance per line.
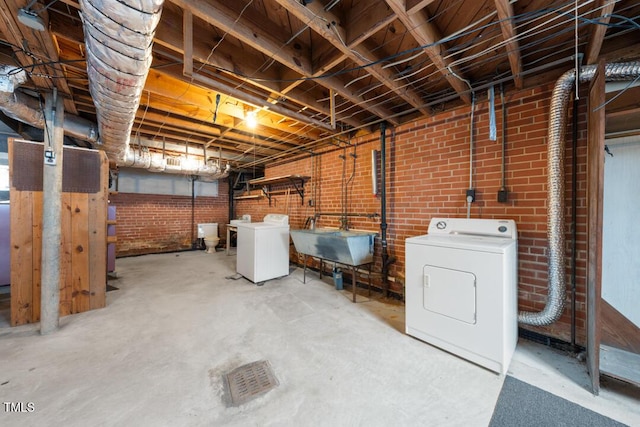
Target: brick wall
x=148, y=223
x=427, y=176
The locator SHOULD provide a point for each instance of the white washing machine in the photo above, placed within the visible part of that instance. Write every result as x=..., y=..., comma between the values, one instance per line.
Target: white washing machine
x=263, y=248
x=461, y=289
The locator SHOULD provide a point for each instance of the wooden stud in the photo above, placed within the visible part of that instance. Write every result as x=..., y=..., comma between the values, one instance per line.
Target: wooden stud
x=98, y=239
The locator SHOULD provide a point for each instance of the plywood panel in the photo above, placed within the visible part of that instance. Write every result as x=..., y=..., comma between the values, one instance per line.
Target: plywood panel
x=80, y=252
x=21, y=258
x=66, y=288
x=83, y=259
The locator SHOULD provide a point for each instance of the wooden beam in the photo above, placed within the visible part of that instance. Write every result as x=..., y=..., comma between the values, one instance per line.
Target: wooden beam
x=328, y=26
x=33, y=49
x=511, y=45
x=193, y=95
x=595, y=191
x=414, y=6
x=299, y=60
x=187, y=37
x=232, y=126
x=226, y=19
x=427, y=34
x=604, y=8
x=366, y=19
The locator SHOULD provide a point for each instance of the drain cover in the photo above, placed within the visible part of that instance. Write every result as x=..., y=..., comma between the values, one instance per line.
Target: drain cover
x=250, y=381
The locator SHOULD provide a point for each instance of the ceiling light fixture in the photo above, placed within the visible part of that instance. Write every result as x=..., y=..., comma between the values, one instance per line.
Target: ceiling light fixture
x=251, y=119
x=30, y=18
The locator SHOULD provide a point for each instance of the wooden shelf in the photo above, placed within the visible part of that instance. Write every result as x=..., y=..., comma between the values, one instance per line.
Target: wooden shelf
x=250, y=196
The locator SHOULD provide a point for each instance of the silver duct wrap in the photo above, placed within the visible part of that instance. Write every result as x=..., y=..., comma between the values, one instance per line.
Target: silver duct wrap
x=27, y=109
x=119, y=38
x=555, y=182
x=155, y=162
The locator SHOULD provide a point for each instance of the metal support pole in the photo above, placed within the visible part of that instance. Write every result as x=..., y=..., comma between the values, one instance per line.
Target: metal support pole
x=304, y=272
x=353, y=282
x=51, y=211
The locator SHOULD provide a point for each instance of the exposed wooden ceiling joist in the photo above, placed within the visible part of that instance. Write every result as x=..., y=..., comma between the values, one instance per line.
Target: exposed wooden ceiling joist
x=298, y=66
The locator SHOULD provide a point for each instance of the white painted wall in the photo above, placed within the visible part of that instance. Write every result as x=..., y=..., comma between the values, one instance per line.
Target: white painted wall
x=621, y=228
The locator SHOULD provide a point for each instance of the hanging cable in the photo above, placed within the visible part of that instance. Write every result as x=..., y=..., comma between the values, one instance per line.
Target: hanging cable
x=577, y=62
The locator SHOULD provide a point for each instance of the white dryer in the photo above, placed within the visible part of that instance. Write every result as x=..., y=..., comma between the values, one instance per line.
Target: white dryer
x=263, y=248
x=461, y=289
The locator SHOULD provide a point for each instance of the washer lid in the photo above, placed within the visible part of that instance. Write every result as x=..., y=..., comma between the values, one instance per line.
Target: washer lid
x=262, y=225
x=276, y=218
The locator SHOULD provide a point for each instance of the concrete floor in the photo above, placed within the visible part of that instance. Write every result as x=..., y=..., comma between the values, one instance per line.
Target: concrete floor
x=155, y=356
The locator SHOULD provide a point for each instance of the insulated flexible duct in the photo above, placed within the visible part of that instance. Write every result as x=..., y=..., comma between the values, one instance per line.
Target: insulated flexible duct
x=555, y=181
x=27, y=109
x=118, y=38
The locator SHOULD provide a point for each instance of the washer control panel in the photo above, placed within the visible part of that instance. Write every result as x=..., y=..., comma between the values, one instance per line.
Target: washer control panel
x=505, y=228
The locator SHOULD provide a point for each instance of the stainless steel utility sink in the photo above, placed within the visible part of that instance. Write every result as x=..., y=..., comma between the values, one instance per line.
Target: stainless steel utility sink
x=345, y=247
x=351, y=248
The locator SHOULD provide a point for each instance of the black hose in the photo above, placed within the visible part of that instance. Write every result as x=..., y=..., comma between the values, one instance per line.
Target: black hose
x=193, y=212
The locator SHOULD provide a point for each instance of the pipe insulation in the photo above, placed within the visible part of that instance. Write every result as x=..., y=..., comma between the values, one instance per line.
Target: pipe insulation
x=155, y=162
x=555, y=185
x=118, y=39
x=27, y=109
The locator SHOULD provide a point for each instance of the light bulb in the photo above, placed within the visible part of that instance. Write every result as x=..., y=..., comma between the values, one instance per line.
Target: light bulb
x=251, y=119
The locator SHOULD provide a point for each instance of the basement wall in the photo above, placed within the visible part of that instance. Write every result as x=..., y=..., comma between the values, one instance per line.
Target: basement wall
x=427, y=176
x=150, y=223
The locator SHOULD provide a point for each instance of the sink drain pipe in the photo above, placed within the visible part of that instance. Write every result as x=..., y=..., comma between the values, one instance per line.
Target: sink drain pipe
x=386, y=260
x=555, y=183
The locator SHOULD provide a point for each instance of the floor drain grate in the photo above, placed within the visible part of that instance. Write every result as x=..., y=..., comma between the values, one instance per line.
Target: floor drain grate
x=250, y=381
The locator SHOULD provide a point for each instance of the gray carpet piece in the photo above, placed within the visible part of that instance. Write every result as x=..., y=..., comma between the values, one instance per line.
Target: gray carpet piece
x=523, y=405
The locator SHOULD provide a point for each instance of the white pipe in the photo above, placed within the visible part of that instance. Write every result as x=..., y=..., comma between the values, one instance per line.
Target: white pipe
x=27, y=109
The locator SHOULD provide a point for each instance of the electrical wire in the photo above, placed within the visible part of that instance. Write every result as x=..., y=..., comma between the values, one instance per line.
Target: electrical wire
x=631, y=83
x=399, y=62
